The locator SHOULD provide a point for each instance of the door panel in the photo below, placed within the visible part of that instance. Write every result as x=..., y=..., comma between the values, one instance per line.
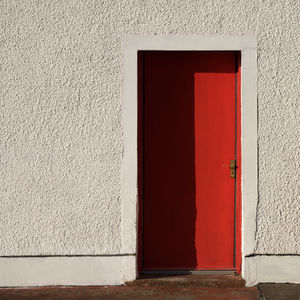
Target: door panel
x=188, y=140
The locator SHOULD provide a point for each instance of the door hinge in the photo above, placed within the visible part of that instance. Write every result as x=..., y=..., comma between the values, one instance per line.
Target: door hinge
x=233, y=168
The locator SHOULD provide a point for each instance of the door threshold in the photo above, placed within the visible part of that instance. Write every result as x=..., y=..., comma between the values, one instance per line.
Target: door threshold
x=209, y=279
x=187, y=272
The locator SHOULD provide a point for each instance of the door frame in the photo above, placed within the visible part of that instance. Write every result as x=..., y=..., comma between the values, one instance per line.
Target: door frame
x=246, y=45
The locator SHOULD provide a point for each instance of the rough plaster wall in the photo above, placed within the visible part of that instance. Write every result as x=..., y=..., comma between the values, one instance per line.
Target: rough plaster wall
x=61, y=115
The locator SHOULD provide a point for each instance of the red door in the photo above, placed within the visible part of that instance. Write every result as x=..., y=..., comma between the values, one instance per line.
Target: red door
x=187, y=121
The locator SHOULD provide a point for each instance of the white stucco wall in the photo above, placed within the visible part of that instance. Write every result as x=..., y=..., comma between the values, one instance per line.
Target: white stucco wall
x=61, y=138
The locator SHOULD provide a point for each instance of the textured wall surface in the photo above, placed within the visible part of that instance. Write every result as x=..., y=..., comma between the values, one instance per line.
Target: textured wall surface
x=61, y=137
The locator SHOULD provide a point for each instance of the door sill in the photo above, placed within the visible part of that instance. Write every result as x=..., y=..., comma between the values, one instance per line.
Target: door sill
x=186, y=272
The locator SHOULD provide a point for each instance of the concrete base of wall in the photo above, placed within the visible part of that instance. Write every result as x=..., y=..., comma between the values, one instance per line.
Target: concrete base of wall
x=45, y=271
x=273, y=268
x=115, y=270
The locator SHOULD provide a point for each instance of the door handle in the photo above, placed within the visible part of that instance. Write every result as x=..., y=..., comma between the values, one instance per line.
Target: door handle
x=232, y=167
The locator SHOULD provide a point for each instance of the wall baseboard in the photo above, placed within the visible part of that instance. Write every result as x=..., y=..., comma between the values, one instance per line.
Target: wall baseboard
x=115, y=270
x=46, y=271
x=271, y=268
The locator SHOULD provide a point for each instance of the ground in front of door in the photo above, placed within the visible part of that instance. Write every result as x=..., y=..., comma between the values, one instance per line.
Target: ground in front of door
x=206, y=287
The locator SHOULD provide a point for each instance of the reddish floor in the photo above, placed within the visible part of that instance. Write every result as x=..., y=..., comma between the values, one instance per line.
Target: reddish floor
x=166, y=293
x=187, y=287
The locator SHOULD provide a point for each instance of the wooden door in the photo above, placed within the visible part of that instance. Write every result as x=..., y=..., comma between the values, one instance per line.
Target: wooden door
x=187, y=138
